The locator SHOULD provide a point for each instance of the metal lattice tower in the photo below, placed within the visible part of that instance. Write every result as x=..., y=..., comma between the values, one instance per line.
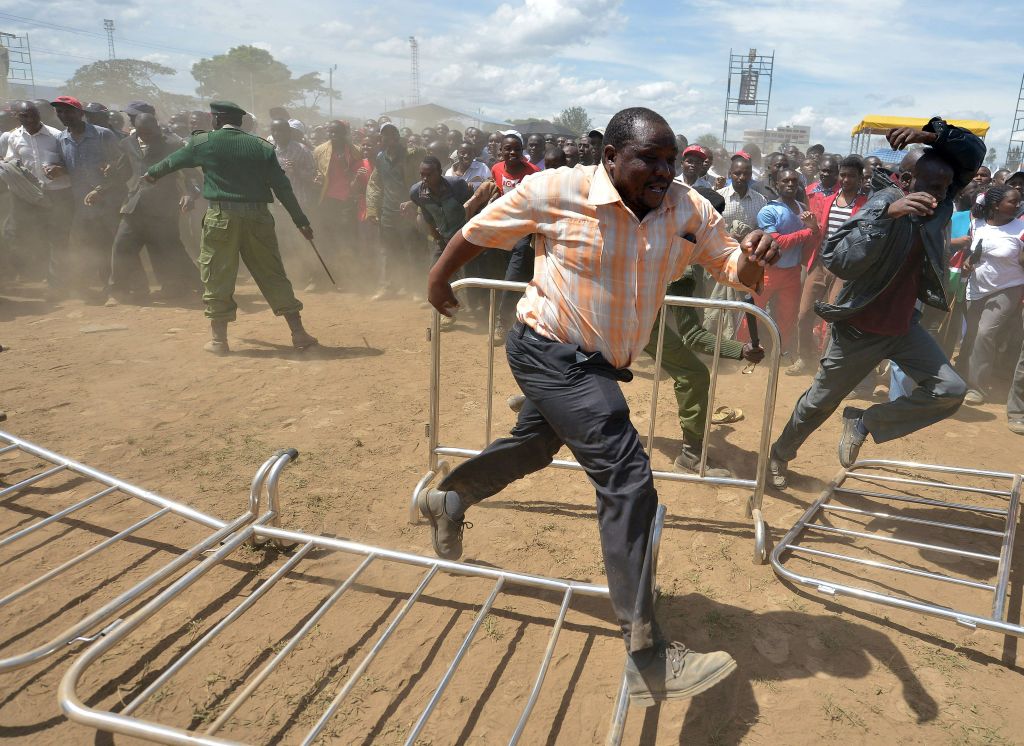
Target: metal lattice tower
x=16, y=62
x=108, y=26
x=414, y=51
x=748, y=74
x=1015, y=150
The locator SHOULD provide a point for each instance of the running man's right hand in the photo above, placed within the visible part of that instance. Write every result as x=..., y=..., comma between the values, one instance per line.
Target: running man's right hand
x=918, y=203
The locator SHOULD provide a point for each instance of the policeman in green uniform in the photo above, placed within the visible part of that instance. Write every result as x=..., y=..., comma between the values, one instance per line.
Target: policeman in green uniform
x=241, y=178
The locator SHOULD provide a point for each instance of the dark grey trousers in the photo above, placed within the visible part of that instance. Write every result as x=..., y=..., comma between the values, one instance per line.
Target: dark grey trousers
x=850, y=355
x=573, y=397
x=990, y=320
x=520, y=269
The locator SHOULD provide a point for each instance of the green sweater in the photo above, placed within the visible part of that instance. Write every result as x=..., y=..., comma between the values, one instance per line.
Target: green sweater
x=237, y=167
x=691, y=331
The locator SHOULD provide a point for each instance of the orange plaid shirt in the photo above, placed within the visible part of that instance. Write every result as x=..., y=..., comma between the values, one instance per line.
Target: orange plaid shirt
x=600, y=274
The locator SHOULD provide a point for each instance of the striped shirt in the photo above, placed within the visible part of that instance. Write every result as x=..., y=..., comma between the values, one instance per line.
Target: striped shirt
x=600, y=274
x=837, y=216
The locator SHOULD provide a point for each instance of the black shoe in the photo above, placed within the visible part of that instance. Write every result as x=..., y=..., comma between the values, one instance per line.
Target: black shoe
x=675, y=672
x=446, y=533
x=851, y=440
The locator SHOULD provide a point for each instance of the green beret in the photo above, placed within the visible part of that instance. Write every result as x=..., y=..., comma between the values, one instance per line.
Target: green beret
x=226, y=107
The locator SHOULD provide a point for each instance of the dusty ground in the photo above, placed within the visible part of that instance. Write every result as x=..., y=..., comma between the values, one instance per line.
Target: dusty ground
x=130, y=391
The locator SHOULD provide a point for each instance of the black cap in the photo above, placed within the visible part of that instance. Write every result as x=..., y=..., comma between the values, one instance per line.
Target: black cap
x=95, y=108
x=134, y=108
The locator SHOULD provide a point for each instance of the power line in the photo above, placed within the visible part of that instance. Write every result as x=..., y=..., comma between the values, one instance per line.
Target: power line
x=95, y=34
x=55, y=53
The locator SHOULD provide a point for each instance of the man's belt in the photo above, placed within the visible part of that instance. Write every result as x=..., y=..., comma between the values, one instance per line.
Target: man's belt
x=252, y=208
x=523, y=331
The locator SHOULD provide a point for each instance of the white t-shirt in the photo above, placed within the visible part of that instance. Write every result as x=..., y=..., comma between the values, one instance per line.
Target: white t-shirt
x=475, y=175
x=33, y=151
x=999, y=267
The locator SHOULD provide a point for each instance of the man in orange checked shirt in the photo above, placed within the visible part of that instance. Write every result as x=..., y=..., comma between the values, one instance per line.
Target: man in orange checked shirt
x=609, y=239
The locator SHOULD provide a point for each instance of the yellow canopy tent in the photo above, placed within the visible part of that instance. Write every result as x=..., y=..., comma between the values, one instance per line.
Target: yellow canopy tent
x=876, y=124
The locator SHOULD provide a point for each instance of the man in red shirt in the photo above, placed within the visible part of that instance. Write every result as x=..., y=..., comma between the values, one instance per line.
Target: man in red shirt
x=508, y=172
x=828, y=177
x=511, y=167
x=890, y=255
x=338, y=162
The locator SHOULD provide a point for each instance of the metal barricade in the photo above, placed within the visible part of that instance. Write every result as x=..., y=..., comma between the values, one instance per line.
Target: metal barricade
x=100, y=620
x=865, y=492
x=437, y=468
x=126, y=721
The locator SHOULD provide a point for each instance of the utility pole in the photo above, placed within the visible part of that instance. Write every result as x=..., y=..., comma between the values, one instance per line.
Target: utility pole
x=330, y=91
x=108, y=26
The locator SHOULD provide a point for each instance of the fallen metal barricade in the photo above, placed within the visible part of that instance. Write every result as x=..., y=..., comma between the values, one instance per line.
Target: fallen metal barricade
x=437, y=468
x=125, y=721
x=97, y=622
x=870, y=503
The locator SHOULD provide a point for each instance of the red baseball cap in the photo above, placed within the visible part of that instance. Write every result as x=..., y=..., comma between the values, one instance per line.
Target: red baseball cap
x=71, y=101
x=698, y=149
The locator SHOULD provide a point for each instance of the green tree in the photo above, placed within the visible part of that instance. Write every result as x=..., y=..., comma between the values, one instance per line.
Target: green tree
x=990, y=159
x=114, y=82
x=709, y=141
x=253, y=79
x=576, y=119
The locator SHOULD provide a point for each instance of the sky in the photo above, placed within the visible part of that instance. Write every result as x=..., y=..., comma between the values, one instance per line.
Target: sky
x=834, y=62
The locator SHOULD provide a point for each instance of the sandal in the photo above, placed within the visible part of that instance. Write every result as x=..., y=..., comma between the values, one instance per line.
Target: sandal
x=724, y=415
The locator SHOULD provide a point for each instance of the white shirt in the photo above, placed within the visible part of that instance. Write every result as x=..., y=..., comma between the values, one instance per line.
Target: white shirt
x=999, y=268
x=475, y=175
x=34, y=151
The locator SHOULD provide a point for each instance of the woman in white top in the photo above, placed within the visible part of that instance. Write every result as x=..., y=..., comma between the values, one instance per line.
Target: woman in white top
x=995, y=289
x=470, y=170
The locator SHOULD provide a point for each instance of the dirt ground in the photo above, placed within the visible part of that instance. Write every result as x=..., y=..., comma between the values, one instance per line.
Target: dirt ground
x=130, y=391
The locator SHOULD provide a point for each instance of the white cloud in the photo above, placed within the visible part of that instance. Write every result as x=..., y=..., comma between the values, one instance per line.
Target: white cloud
x=533, y=29
x=835, y=62
x=830, y=126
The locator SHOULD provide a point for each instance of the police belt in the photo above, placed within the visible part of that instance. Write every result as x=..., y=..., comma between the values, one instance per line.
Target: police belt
x=248, y=208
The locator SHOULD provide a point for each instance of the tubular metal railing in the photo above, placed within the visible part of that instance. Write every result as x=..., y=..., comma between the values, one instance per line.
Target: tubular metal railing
x=126, y=722
x=437, y=468
x=97, y=622
x=876, y=473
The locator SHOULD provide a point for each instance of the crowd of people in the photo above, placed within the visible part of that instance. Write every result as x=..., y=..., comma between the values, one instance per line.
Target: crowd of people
x=386, y=200
x=860, y=266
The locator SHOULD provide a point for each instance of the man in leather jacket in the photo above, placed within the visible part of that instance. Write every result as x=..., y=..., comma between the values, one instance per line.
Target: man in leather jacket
x=890, y=255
